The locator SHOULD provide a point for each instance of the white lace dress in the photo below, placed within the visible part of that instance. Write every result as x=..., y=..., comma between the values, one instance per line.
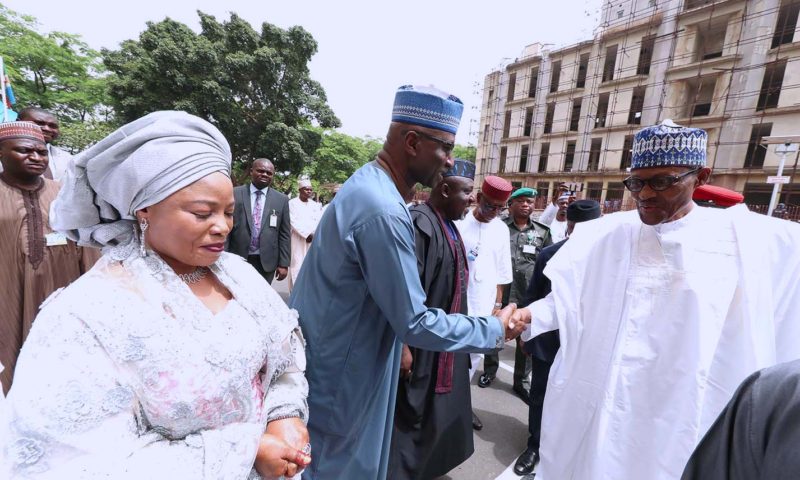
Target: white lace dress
x=126, y=374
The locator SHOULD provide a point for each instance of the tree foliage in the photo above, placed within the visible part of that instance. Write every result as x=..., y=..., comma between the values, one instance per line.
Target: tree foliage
x=78, y=136
x=465, y=152
x=339, y=155
x=55, y=70
x=254, y=86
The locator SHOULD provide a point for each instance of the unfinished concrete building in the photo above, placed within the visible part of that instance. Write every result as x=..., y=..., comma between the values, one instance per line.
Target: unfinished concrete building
x=731, y=67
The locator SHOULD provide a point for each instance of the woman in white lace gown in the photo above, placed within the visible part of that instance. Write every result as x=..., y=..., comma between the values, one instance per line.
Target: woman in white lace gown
x=170, y=358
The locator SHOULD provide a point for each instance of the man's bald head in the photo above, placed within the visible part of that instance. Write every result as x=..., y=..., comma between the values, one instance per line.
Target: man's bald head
x=453, y=196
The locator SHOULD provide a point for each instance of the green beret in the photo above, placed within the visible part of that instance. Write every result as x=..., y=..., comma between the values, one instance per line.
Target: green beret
x=524, y=192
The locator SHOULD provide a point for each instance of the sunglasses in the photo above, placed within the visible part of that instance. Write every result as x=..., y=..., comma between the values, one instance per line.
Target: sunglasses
x=658, y=184
x=447, y=146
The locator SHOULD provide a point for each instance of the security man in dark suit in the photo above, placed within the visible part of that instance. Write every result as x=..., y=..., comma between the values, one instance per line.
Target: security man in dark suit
x=261, y=229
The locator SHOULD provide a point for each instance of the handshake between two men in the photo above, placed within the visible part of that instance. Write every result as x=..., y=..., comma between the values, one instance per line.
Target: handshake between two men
x=514, y=321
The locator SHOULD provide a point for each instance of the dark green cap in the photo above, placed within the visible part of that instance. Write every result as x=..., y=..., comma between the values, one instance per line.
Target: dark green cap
x=524, y=192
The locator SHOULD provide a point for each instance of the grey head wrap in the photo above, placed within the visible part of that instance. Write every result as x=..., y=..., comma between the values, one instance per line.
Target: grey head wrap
x=138, y=165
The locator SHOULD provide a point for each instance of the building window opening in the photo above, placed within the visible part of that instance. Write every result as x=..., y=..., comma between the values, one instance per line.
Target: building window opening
x=646, y=55
x=528, y=122
x=512, y=86
x=710, y=41
x=574, y=120
x=543, y=154
x=523, y=159
x=583, y=67
x=610, y=63
x=548, y=118
x=602, y=110
x=534, y=83
x=594, y=155
x=637, y=106
x=771, y=85
x=555, y=77
x=700, y=93
x=569, y=156
x=787, y=23
x=756, y=153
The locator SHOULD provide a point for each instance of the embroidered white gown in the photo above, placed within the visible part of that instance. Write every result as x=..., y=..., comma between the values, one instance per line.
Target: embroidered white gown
x=126, y=374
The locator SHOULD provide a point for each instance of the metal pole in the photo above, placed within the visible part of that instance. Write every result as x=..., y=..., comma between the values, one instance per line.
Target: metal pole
x=777, y=187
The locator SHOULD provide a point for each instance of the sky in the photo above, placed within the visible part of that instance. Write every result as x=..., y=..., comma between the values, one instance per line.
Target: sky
x=366, y=48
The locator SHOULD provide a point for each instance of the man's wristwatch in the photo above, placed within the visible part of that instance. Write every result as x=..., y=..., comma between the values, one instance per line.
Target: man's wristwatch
x=498, y=305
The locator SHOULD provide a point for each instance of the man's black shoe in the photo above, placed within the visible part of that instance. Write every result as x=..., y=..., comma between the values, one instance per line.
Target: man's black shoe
x=526, y=462
x=521, y=393
x=485, y=380
x=476, y=422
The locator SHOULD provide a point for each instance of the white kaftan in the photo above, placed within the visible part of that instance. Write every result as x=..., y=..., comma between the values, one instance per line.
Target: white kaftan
x=304, y=217
x=558, y=230
x=126, y=374
x=488, y=269
x=658, y=327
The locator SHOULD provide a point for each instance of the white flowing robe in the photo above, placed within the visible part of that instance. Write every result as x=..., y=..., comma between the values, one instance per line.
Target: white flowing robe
x=126, y=374
x=658, y=327
x=304, y=217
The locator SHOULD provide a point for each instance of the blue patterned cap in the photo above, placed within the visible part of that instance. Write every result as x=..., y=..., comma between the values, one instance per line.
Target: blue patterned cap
x=669, y=145
x=461, y=168
x=428, y=107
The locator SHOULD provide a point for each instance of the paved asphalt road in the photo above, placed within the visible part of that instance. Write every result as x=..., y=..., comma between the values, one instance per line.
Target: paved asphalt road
x=505, y=423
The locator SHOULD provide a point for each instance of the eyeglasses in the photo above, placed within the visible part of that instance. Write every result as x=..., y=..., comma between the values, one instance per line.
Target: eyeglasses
x=447, y=146
x=493, y=207
x=659, y=183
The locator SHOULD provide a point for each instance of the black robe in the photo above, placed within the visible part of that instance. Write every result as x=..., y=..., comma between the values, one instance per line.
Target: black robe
x=433, y=432
x=756, y=436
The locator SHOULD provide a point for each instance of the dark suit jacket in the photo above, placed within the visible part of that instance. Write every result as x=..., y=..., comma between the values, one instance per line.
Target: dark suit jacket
x=275, y=242
x=544, y=346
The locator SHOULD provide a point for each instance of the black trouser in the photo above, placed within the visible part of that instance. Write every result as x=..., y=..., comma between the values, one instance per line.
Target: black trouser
x=255, y=261
x=522, y=364
x=539, y=373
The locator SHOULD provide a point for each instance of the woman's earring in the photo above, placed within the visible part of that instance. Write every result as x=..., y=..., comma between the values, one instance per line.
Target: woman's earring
x=142, y=228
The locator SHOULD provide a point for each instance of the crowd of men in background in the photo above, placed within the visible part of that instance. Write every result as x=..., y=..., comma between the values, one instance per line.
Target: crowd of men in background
x=636, y=331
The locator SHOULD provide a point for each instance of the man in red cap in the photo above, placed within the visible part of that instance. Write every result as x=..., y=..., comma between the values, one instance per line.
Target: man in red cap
x=714, y=196
x=35, y=261
x=486, y=239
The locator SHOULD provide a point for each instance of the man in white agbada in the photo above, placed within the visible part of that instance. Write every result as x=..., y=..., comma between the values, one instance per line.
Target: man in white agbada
x=558, y=227
x=305, y=214
x=662, y=313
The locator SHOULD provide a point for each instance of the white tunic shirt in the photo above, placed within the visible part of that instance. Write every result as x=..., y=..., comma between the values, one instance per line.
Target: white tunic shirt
x=558, y=230
x=492, y=264
x=304, y=217
x=658, y=327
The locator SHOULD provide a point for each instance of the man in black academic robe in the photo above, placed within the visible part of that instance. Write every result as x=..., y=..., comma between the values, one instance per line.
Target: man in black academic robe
x=433, y=416
x=756, y=435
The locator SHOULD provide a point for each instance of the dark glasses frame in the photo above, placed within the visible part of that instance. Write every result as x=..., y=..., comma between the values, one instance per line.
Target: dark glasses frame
x=658, y=183
x=448, y=146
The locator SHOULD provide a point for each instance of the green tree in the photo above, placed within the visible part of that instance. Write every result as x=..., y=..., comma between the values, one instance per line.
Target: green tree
x=465, y=152
x=254, y=86
x=78, y=136
x=339, y=155
x=55, y=70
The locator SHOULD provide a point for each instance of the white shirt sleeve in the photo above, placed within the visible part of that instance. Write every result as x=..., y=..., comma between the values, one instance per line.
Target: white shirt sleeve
x=543, y=318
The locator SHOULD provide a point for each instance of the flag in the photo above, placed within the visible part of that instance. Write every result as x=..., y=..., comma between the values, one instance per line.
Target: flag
x=9, y=114
x=10, y=99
